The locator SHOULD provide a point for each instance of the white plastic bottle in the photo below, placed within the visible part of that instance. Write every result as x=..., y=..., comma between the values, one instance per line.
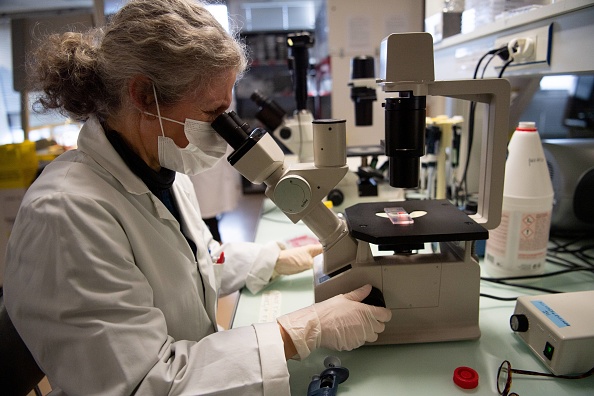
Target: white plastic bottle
x=518, y=246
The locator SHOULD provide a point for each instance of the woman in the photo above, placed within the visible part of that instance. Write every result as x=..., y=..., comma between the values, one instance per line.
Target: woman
x=112, y=276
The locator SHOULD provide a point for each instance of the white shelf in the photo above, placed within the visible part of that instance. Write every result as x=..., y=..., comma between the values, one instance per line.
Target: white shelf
x=571, y=40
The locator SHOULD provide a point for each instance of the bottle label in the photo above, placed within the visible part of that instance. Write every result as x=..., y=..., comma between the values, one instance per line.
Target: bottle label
x=534, y=233
x=520, y=241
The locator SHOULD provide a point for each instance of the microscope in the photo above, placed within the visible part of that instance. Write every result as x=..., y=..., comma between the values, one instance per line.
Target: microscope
x=433, y=296
x=363, y=89
x=368, y=181
x=294, y=132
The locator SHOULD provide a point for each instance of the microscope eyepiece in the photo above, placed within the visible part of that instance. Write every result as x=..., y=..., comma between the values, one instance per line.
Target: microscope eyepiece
x=242, y=124
x=270, y=113
x=231, y=128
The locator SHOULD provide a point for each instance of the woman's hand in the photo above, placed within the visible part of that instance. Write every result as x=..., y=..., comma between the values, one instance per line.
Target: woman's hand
x=295, y=260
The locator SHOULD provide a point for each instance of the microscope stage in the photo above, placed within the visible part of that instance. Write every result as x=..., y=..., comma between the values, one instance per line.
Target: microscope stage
x=442, y=222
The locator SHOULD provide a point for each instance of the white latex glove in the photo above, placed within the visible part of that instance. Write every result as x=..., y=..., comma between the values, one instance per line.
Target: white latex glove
x=341, y=323
x=295, y=260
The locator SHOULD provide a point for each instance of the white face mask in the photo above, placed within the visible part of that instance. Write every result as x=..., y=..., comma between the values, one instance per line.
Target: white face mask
x=204, y=150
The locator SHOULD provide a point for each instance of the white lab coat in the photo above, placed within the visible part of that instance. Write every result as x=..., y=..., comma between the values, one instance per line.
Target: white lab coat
x=106, y=292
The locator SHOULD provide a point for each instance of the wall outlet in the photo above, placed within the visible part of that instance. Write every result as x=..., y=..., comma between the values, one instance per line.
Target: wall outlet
x=530, y=46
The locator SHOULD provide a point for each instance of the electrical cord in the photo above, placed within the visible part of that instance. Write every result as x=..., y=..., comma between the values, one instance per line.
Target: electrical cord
x=579, y=253
x=498, y=297
x=505, y=65
x=502, y=281
x=527, y=277
x=502, y=52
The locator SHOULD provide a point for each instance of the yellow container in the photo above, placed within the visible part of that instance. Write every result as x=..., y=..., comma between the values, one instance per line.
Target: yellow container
x=18, y=164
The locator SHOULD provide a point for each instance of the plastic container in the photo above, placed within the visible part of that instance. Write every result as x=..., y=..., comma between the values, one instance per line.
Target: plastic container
x=518, y=246
x=18, y=164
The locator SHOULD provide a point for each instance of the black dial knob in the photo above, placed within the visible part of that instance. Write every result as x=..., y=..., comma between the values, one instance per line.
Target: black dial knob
x=285, y=133
x=336, y=196
x=518, y=323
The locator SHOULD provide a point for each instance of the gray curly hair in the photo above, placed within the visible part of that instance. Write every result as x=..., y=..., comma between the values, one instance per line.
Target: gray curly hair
x=177, y=44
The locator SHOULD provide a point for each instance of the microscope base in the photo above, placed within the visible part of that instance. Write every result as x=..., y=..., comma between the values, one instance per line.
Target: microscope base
x=433, y=297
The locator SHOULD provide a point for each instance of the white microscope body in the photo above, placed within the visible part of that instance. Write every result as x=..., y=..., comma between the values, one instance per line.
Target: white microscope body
x=433, y=297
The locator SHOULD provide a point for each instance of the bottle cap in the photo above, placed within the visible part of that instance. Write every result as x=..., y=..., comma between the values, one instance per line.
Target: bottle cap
x=466, y=378
x=526, y=126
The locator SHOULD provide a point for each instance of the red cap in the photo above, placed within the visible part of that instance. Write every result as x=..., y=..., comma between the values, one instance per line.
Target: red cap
x=526, y=126
x=466, y=378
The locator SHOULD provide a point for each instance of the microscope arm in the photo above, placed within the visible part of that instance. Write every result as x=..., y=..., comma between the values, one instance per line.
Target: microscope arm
x=496, y=94
x=340, y=248
x=298, y=189
x=418, y=79
x=299, y=193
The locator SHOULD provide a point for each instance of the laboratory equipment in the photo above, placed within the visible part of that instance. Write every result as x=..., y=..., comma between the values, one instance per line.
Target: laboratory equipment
x=571, y=164
x=433, y=296
x=427, y=180
x=326, y=384
x=294, y=132
x=365, y=182
x=363, y=88
x=559, y=329
x=443, y=132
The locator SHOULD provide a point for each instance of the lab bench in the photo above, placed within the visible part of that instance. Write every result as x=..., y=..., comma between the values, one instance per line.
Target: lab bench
x=408, y=369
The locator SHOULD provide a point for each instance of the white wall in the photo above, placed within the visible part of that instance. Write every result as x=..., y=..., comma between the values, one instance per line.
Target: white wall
x=355, y=28
x=433, y=7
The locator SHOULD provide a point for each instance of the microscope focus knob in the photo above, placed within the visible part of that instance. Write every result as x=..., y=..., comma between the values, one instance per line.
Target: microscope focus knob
x=292, y=194
x=519, y=323
x=285, y=133
x=336, y=196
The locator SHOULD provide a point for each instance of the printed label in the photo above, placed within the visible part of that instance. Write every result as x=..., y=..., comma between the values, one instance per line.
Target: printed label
x=270, y=306
x=550, y=313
